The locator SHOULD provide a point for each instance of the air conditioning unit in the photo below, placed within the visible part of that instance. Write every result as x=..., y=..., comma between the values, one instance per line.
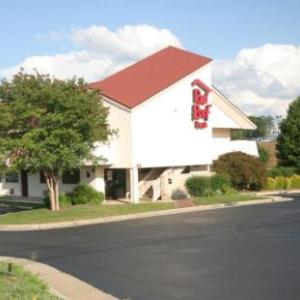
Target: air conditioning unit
x=45, y=193
x=11, y=191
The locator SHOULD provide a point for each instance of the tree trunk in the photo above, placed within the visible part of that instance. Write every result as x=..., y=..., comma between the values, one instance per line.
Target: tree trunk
x=52, y=183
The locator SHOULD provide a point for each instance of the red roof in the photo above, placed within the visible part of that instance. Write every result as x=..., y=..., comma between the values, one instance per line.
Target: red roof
x=142, y=80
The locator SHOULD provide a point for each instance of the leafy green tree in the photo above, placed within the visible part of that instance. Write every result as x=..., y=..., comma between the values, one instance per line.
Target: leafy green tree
x=288, y=143
x=263, y=154
x=49, y=125
x=265, y=125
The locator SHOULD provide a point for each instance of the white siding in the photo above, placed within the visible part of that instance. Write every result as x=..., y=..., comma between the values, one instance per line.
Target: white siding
x=162, y=130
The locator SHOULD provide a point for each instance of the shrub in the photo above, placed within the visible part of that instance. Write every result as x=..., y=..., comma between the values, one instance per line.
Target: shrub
x=264, y=155
x=197, y=186
x=84, y=193
x=295, y=181
x=179, y=194
x=281, y=171
x=245, y=171
x=270, y=183
x=280, y=183
x=219, y=182
x=229, y=190
x=64, y=201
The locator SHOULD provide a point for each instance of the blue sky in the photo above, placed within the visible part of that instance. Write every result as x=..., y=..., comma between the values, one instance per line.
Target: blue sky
x=218, y=29
x=255, y=44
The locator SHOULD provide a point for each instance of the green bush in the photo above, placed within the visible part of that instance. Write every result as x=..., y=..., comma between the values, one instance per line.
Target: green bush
x=204, y=186
x=295, y=181
x=64, y=201
x=229, y=190
x=179, y=194
x=282, y=171
x=280, y=183
x=219, y=182
x=84, y=194
x=263, y=154
x=197, y=186
x=245, y=171
x=270, y=183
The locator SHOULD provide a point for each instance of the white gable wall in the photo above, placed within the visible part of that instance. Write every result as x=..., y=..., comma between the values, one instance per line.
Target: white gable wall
x=219, y=119
x=163, y=132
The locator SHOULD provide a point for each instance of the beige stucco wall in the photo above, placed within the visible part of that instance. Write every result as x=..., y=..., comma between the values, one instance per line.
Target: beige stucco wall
x=222, y=133
x=38, y=189
x=6, y=186
x=118, y=149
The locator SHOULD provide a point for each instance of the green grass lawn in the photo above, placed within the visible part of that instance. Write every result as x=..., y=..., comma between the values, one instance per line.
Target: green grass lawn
x=20, y=284
x=226, y=199
x=80, y=212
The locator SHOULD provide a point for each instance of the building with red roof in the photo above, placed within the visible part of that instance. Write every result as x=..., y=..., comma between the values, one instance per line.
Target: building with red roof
x=171, y=123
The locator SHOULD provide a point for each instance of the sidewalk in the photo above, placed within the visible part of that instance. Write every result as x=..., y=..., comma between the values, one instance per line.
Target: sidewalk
x=61, y=284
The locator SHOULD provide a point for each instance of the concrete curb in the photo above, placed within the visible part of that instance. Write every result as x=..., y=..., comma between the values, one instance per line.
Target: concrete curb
x=61, y=284
x=101, y=220
x=277, y=192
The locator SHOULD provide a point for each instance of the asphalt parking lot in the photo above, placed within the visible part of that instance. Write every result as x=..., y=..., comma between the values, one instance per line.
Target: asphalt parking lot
x=250, y=252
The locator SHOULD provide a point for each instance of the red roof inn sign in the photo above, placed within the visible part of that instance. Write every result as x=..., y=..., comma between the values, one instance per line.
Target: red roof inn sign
x=200, y=108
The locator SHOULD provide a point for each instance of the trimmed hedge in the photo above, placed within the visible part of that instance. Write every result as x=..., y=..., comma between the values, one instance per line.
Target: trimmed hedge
x=282, y=183
x=199, y=186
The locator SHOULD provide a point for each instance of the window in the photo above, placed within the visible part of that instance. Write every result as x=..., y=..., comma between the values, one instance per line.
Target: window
x=186, y=170
x=71, y=177
x=12, y=177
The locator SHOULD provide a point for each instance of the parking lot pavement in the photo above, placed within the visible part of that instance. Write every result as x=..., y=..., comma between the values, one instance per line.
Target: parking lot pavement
x=249, y=252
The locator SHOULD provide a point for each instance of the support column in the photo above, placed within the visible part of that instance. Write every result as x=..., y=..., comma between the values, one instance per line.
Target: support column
x=96, y=179
x=134, y=185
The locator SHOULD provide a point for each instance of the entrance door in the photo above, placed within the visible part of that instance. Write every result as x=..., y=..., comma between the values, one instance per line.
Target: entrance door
x=24, y=183
x=115, y=183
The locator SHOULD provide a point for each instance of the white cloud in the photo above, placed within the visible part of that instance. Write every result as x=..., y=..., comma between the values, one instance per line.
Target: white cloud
x=101, y=51
x=129, y=42
x=261, y=80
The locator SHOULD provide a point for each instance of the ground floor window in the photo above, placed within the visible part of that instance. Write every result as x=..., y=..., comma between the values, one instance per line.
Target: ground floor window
x=71, y=177
x=12, y=177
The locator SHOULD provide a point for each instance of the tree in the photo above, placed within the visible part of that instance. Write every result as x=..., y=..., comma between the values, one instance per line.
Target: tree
x=265, y=125
x=49, y=125
x=263, y=154
x=288, y=142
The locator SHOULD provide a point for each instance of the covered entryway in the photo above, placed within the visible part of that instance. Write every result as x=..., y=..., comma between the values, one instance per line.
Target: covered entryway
x=115, y=183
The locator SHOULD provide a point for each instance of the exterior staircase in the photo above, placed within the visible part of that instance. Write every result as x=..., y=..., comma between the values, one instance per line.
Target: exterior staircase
x=151, y=180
